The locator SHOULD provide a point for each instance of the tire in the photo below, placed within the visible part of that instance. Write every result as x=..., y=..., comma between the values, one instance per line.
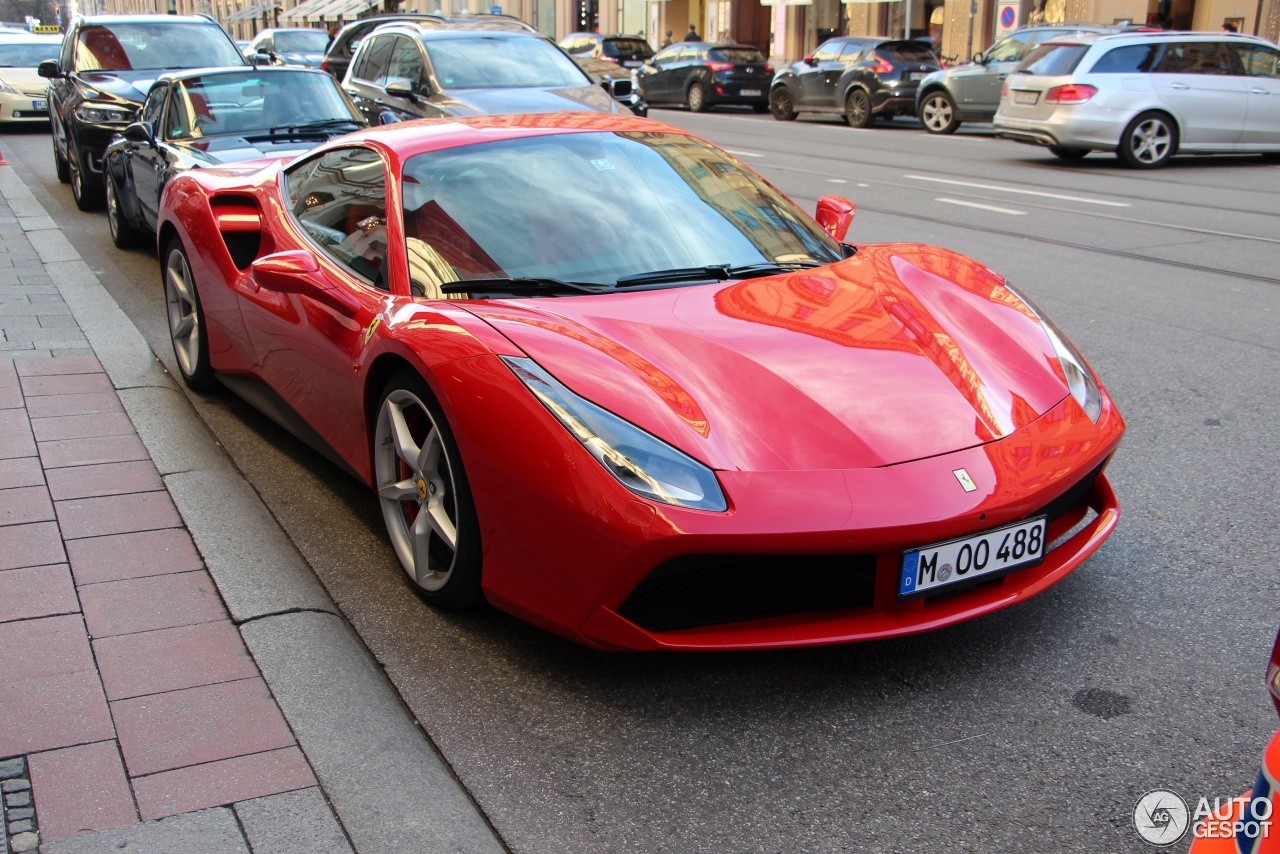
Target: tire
x=696, y=98
x=781, y=105
x=857, y=109
x=60, y=163
x=186, y=319
x=938, y=113
x=426, y=500
x=1148, y=142
x=1068, y=153
x=123, y=234
x=87, y=194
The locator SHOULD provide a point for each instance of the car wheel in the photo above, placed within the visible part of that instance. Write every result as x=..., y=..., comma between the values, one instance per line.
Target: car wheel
x=123, y=234
x=186, y=319
x=1068, y=153
x=426, y=501
x=696, y=98
x=780, y=104
x=88, y=196
x=857, y=109
x=1148, y=142
x=60, y=163
x=938, y=112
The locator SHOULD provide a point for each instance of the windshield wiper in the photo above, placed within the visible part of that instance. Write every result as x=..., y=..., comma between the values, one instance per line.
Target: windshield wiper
x=715, y=272
x=318, y=124
x=519, y=285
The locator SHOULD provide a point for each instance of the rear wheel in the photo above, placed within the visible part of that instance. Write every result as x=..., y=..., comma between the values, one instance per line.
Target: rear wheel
x=696, y=98
x=186, y=319
x=780, y=104
x=857, y=109
x=123, y=234
x=60, y=163
x=1068, y=153
x=426, y=500
x=86, y=191
x=938, y=112
x=1148, y=142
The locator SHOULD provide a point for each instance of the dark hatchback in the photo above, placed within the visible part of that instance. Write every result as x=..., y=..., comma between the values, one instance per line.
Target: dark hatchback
x=701, y=76
x=213, y=117
x=859, y=79
x=627, y=51
x=102, y=75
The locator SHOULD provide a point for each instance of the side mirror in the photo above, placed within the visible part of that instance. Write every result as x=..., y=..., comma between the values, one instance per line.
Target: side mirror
x=298, y=272
x=49, y=68
x=835, y=215
x=140, y=132
x=399, y=87
x=980, y=58
x=386, y=117
x=809, y=60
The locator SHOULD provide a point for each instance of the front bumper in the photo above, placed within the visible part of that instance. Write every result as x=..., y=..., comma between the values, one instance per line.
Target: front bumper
x=23, y=108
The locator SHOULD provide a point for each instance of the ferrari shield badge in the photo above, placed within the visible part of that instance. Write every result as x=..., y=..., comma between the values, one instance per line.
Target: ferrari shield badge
x=965, y=480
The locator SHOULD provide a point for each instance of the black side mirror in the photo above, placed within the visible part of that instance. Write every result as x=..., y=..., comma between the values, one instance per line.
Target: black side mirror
x=140, y=132
x=399, y=87
x=49, y=68
x=388, y=118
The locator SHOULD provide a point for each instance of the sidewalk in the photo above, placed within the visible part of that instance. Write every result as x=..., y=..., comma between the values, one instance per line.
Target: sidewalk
x=173, y=678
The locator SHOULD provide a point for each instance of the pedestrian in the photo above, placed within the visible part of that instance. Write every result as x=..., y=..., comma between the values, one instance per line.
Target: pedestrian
x=693, y=34
x=667, y=41
x=1228, y=27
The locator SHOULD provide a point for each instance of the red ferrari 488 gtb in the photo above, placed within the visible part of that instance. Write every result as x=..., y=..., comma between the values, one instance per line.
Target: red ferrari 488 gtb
x=690, y=417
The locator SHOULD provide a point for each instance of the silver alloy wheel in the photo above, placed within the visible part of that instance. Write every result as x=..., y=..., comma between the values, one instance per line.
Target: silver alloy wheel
x=184, y=319
x=938, y=113
x=697, y=98
x=113, y=212
x=1150, y=141
x=417, y=490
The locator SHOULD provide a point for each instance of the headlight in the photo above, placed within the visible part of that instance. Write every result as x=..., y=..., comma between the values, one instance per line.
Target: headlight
x=7, y=89
x=1084, y=388
x=101, y=114
x=642, y=463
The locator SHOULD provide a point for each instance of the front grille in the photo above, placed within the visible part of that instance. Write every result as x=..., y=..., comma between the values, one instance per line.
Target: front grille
x=707, y=590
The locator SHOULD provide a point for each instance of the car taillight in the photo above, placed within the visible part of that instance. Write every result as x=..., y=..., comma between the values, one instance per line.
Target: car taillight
x=612, y=59
x=1273, y=675
x=768, y=69
x=324, y=64
x=1004, y=91
x=719, y=66
x=1070, y=93
x=882, y=65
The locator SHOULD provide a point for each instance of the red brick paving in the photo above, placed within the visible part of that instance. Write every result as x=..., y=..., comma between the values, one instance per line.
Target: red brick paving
x=59, y=367
x=81, y=426
x=147, y=604
x=10, y=397
x=38, y=591
x=139, y=555
x=38, y=544
x=105, y=479
x=15, y=435
x=81, y=789
x=91, y=403
x=161, y=732
x=117, y=514
x=223, y=782
x=33, y=386
x=80, y=452
x=20, y=471
x=25, y=504
x=172, y=659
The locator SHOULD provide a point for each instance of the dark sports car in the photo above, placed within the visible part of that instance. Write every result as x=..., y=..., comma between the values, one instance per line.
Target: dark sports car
x=687, y=417
x=213, y=117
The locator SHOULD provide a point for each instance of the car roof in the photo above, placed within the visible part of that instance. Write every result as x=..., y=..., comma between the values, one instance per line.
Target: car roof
x=184, y=73
x=145, y=19
x=29, y=38
x=1158, y=35
x=436, y=34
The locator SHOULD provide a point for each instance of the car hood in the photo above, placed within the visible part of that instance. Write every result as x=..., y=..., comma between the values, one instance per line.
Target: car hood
x=481, y=102
x=130, y=85
x=216, y=150
x=899, y=353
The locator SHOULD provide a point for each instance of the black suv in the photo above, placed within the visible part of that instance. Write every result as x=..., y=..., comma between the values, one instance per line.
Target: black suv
x=857, y=78
x=100, y=79
x=344, y=45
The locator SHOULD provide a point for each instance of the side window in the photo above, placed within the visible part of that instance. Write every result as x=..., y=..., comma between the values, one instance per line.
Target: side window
x=1259, y=61
x=154, y=106
x=827, y=51
x=665, y=57
x=406, y=62
x=177, y=124
x=340, y=200
x=376, y=55
x=1131, y=59
x=852, y=52
x=1009, y=48
x=1195, y=58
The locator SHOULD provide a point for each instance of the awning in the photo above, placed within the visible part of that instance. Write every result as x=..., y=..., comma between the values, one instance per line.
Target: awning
x=249, y=13
x=300, y=12
x=333, y=9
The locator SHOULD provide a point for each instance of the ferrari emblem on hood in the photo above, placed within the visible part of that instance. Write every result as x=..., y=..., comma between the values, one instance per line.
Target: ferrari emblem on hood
x=965, y=480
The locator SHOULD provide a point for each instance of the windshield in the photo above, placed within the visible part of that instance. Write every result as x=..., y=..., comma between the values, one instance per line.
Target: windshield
x=595, y=207
x=301, y=41
x=139, y=47
x=254, y=102
x=28, y=55
x=483, y=62
x=737, y=55
x=628, y=47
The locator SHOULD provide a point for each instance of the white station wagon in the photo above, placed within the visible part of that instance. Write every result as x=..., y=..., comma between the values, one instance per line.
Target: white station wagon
x=1146, y=96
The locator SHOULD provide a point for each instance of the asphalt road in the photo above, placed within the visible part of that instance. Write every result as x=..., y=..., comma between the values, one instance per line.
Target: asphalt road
x=1037, y=728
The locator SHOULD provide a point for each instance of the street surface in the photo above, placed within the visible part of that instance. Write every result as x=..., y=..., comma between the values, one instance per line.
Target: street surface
x=1035, y=729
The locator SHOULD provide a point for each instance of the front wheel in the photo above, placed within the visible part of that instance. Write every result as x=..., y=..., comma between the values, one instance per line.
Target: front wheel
x=1068, y=153
x=938, y=113
x=186, y=319
x=426, y=500
x=696, y=98
x=857, y=109
x=1148, y=142
x=123, y=234
x=781, y=106
x=60, y=166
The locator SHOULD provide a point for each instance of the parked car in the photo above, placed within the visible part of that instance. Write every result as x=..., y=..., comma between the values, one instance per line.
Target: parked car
x=23, y=95
x=100, y=78
x=617, y=433
x=304, y=47
x=627, y=51
x=701, y=76
x=859, y=79
x=212, y=117
x=971, y=92
x=338, y=58
x=615, y=80
x=407, y=71
x=1146, y=96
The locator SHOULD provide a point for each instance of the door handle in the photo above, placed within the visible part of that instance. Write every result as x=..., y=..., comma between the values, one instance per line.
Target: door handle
x=1179, y=86
x=1256, y=91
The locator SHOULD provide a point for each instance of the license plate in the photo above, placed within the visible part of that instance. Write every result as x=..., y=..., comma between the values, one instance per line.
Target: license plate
x=941, y=565
x=632, y=64
x=39, y=105
x=1025, y=96
x=918, y=75
x=751, y=93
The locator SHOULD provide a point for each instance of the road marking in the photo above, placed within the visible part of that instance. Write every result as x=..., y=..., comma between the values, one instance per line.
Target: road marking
x=1000, y=189
x=743, y=153
x=837, y=181
x=981, y=207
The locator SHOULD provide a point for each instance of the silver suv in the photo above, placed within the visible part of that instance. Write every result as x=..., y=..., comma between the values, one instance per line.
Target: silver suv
x=1146, y=96
x=971, y=92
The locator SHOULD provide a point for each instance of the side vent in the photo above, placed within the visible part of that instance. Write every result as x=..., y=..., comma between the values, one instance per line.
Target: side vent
x=240, y=223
